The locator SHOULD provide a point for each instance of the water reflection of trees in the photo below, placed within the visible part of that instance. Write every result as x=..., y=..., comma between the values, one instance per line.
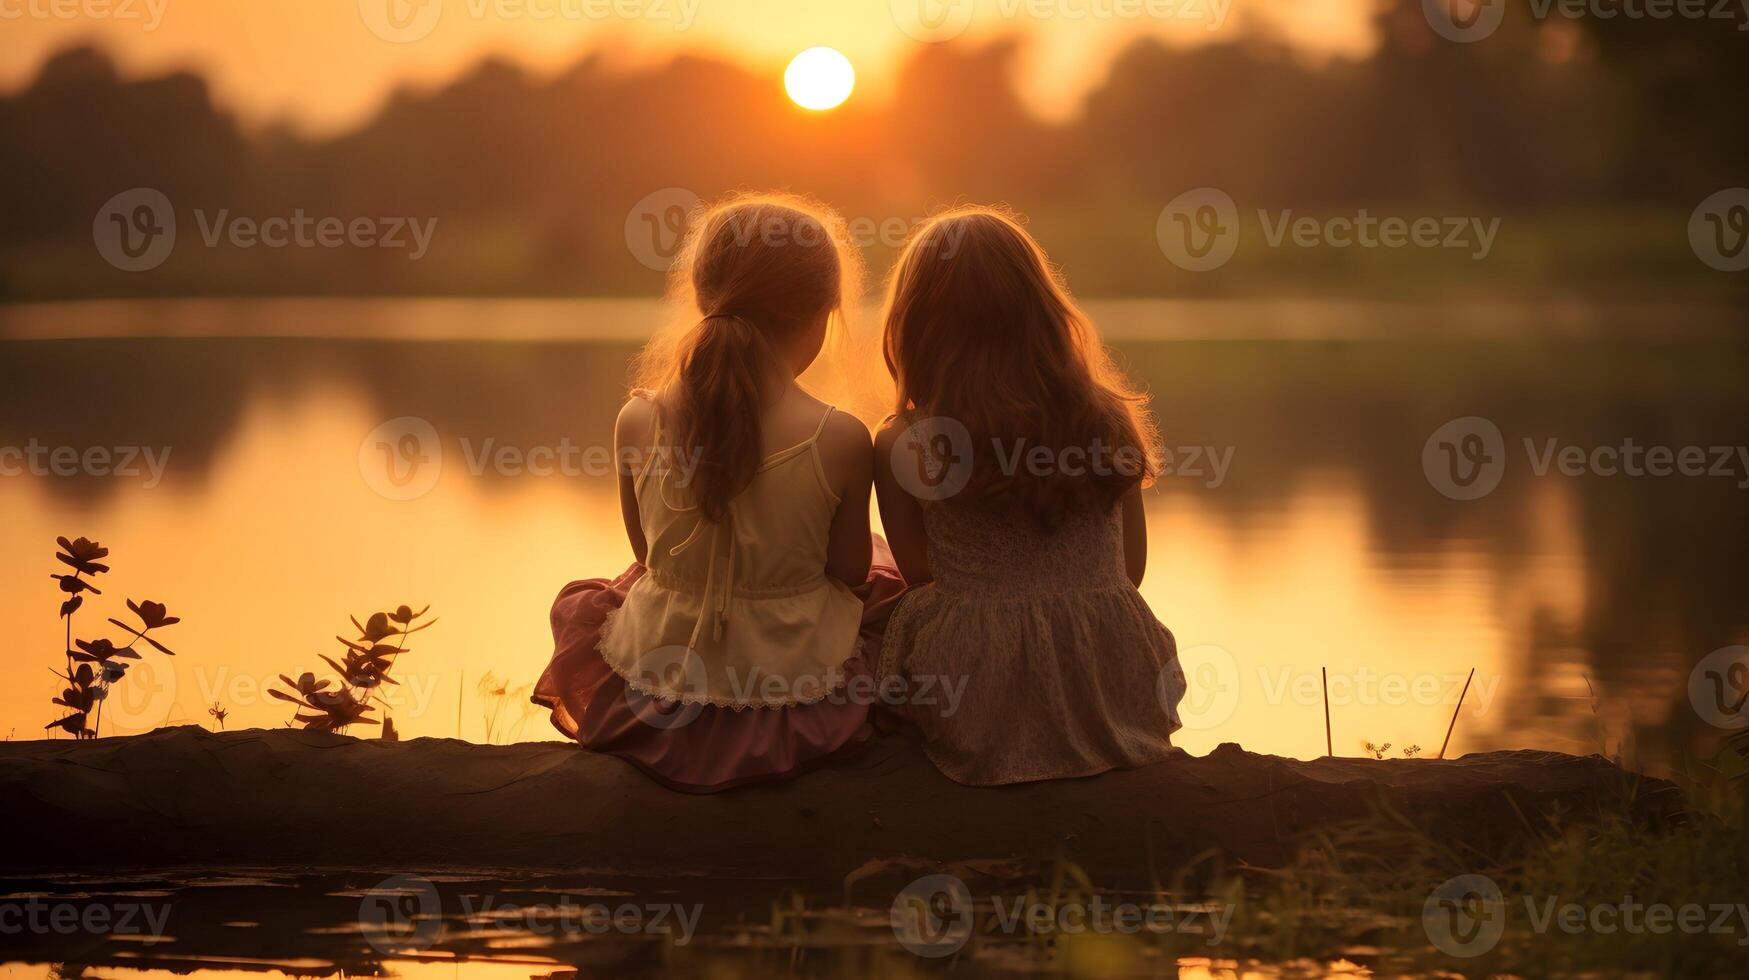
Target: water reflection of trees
x=1663, y=575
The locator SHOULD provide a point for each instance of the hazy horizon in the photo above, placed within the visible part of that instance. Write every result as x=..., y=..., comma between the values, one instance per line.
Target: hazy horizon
x=256, y=57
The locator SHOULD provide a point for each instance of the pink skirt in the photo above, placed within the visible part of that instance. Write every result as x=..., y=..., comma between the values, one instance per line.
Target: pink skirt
x=718, y=748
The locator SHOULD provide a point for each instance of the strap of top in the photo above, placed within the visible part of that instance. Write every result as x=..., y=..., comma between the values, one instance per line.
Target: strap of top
x=801, y=447
x=821, y=428
x=719, y=584
x=655, y=413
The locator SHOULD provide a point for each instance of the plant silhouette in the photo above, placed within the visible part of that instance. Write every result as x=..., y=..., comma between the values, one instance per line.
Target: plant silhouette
x=362, y=671
x=100, y=663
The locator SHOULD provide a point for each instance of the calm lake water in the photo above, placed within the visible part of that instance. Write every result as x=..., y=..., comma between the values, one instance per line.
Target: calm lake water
x=1300, y=532
x=330, y=459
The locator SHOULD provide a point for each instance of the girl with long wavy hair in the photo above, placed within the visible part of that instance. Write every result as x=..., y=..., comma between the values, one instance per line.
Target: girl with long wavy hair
x=1010, y=484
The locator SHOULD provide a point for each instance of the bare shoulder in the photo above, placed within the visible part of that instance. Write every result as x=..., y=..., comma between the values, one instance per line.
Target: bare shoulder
x=847, y=431
x=846, y=440
x=845, y=450
x=636, y=417
x=886, y=436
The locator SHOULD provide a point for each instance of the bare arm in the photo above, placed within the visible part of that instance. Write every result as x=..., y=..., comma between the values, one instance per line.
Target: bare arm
x=901, y=513
x=1135, y=535
x=631, y=439
x=848, y=459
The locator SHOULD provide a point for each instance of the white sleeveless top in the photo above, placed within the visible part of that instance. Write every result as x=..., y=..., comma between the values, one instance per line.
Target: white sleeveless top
x=739, y=613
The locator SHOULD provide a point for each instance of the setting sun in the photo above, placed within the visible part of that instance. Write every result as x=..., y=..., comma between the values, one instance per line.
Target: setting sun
x=819, y=79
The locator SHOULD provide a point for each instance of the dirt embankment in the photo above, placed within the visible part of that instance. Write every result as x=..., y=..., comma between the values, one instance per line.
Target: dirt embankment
x=189, y=798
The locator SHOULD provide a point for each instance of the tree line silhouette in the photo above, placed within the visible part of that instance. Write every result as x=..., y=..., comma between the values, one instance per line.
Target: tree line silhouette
x=1608, y=130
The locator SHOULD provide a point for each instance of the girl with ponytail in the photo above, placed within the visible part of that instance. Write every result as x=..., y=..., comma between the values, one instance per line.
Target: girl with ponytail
x=732, y=651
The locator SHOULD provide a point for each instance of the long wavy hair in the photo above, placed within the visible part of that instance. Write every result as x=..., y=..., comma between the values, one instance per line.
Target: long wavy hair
x=981, y=329
x=753, y=271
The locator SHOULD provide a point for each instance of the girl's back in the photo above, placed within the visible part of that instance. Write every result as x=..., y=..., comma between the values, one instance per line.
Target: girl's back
x=747, y=595
x=713, y=660
x=1060, y=668
x=973, y=548
x=1022, y=530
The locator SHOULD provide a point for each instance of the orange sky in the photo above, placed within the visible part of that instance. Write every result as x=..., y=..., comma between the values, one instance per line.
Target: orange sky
x=319, y=63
